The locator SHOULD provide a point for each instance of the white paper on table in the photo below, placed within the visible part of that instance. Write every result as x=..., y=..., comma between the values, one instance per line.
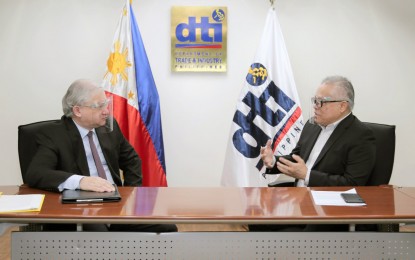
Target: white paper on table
x=333, y=198
x=21, y=203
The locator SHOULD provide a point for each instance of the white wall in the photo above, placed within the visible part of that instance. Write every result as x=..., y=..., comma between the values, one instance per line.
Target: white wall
x=46, y=44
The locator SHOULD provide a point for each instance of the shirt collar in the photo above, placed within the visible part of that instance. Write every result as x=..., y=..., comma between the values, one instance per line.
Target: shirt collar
x=83, y=131
x=333, y=126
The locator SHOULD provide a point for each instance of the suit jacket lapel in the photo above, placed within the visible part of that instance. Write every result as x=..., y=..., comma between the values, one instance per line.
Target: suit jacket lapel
x=104, y=143
x=77, y=146
x=106, y=147
x=108, y=151
x=312, y=140
x=337, y=133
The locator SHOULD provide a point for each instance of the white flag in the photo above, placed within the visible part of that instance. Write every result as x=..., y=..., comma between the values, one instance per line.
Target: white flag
x=268, y=108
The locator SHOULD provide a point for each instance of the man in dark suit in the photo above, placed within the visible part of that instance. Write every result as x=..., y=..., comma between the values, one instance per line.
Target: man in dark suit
x=334, y=149
x=79, y=152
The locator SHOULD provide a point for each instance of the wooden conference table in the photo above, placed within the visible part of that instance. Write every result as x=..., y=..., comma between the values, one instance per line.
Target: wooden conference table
x=139, y=205
x=386, y=204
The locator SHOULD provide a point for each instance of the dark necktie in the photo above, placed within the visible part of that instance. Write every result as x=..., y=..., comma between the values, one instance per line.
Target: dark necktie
x=98, y=163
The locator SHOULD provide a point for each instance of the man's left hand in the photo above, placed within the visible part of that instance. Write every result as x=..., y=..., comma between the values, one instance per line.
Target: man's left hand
x=297, y=170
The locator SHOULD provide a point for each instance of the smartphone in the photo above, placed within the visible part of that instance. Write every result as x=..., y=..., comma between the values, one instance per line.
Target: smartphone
x=352, y=198
x=289, y=157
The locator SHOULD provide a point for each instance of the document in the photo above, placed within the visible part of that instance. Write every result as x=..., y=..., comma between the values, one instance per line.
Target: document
x=333, y=198
x=21, y=203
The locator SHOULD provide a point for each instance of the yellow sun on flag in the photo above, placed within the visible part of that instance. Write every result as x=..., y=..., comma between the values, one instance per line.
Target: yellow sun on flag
x=117, y=64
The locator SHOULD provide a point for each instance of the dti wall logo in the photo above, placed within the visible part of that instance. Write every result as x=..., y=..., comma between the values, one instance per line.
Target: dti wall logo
x=198, y=38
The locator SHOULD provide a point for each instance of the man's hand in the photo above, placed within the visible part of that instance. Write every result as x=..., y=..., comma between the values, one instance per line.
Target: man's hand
x=96, y=184
x=267, y=155
x=296, y=169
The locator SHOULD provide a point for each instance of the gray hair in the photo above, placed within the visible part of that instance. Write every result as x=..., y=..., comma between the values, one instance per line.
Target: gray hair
x=344, y=84
x=77, y=94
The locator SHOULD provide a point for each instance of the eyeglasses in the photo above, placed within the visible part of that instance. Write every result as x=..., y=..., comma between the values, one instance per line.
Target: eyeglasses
x=319, y=102
x=98, y=106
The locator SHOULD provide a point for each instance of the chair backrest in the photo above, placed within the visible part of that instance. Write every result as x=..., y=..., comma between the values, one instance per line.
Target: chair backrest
x=27, y=145
x=385, y=153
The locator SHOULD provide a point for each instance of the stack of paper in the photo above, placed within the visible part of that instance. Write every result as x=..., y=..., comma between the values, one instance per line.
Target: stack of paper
x=21, y=203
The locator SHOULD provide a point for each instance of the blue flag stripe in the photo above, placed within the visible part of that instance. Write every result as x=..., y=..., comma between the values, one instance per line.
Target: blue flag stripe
x=147, y=95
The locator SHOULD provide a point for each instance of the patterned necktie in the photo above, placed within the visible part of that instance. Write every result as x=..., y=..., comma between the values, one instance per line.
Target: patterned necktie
x=98, y=163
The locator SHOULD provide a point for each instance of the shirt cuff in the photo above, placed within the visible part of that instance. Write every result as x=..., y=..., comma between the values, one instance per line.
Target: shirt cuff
x=72, y=183
x=307, y=177
x=274, y=161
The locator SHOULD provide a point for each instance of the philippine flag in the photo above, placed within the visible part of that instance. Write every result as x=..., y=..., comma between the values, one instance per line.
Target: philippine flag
x=135, y=98
x=268, y=108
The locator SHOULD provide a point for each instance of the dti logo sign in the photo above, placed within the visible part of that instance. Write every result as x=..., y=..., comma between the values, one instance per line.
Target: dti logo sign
x=201, y=32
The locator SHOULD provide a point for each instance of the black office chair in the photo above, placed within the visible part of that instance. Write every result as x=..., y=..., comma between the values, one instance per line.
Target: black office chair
x=382, y=171
x=27, y=145
x=385, y=153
